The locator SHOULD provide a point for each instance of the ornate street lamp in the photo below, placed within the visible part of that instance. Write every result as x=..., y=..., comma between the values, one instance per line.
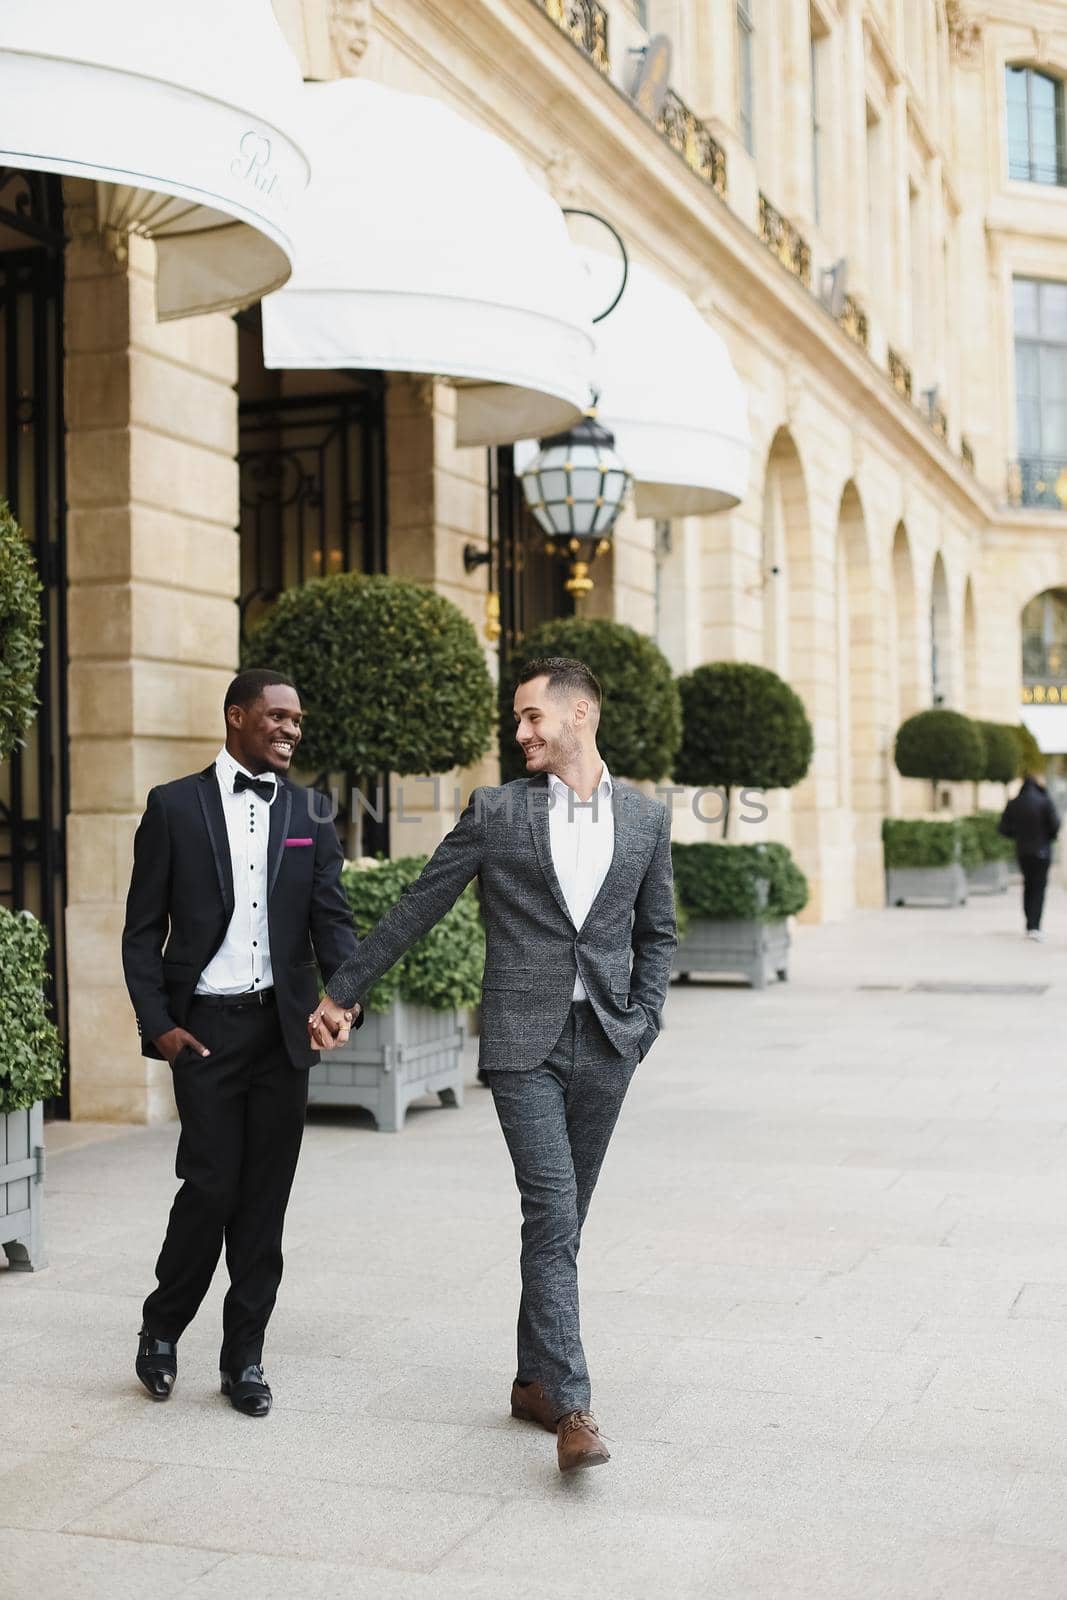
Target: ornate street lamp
x=575, y=486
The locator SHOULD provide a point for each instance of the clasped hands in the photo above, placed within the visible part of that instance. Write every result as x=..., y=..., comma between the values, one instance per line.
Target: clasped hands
x=330, y=1024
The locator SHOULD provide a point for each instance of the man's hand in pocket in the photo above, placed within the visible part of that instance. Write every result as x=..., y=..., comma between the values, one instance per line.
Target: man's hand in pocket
x=175, y=1040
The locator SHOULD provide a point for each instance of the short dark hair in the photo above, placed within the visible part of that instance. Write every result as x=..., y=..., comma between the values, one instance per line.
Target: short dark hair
x=563, y=672
x=247, y=687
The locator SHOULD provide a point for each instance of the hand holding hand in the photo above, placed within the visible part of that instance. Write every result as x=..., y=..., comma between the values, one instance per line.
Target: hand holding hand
x=174, y=1041
x=330, y=1024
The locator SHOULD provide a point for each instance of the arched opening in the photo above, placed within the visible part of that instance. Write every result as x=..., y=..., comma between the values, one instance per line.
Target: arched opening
x=1043, y=668
x=941, y=676
x=860, y=774
x=791, y=640
x=972, y=697
x=909, y=693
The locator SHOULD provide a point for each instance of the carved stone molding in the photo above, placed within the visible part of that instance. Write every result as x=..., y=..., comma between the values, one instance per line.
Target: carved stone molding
x=1041, y=46
x=964, y=35
x=349, y=33
x=564, y=179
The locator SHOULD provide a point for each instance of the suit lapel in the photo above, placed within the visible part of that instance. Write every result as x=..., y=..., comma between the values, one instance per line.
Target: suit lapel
x=537, y=811
x=280, y=813
x=620, y=802
x=211, y=804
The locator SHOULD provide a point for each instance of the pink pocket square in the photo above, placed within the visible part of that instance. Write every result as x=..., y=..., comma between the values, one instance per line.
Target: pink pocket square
x=289, y=843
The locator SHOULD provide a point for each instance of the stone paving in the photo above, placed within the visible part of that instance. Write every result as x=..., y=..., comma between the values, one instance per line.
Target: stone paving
x=825, y=1300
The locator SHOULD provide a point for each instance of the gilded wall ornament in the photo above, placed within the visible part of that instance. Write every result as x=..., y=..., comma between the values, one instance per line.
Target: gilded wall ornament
x=349, y=33
x=965, y=36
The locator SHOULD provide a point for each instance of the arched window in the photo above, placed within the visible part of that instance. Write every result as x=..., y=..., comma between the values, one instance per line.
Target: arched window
x=1036, y=152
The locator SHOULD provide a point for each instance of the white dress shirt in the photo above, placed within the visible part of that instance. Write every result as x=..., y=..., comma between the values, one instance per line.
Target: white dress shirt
x=242, y=961
x=582, y=837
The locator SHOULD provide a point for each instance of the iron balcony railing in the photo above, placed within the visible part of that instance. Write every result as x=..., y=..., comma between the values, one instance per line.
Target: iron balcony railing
x=1038, y=481
x=785, y=241
x=698, y=148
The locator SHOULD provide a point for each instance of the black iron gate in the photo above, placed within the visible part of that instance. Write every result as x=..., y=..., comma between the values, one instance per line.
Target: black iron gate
x=312, y=462
x=531, y=583
x=34, y=783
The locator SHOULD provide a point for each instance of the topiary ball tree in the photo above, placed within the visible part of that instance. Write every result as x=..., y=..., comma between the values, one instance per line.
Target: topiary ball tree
x=640, y=723
x=742, y=726
x=1001, y=752
x=1031, y=755
x=941, y=746
x=20, y=633
x=390, y=674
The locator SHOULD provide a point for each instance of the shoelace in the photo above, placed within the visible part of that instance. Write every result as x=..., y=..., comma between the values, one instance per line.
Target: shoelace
x=579, y=1419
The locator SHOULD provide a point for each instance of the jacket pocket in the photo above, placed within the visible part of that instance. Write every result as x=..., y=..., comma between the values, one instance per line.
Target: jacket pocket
x=515, y=978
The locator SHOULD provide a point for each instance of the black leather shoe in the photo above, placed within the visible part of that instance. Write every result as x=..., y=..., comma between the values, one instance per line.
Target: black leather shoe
x=248, y=1390
x=157, y=1365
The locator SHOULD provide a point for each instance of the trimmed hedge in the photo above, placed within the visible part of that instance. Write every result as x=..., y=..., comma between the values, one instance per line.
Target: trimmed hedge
x=31, y=1054
x=390, y=673
x=742, y=725
x=1002, y=751
x=444, y=969
x=721, y=882
x=987, y=843
x=943, y=746
x=915, y=842
x=641, y=718
x=20, y=633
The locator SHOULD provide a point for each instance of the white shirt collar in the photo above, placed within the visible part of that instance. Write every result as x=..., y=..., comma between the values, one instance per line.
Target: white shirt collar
x=227, y=769
x=603, y=788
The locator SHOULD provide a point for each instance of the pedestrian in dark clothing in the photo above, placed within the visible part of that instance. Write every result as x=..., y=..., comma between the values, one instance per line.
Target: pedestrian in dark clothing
x=1033, y=822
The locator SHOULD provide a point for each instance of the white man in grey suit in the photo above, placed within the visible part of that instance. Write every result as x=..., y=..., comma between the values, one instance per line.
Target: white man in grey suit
x=578, y=900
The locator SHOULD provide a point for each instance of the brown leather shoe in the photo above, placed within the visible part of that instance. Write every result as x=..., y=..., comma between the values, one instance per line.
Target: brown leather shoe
x=578, y=1442
x=530, y=1403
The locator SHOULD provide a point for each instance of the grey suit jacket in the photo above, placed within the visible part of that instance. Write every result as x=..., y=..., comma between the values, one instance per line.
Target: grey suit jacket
x=623, y=949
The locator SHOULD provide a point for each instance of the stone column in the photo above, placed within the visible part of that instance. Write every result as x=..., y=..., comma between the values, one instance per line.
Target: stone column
x=153, y=571
x=438, y=503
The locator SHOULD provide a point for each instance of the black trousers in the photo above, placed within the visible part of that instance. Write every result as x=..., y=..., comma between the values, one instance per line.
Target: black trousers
x=1035, y=876
x=242, y=1114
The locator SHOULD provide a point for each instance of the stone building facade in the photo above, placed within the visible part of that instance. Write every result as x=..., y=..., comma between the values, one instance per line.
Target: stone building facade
x=839, y=187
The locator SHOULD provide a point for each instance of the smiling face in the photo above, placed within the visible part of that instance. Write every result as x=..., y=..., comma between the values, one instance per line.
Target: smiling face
x=550, y=725
x=264, y=736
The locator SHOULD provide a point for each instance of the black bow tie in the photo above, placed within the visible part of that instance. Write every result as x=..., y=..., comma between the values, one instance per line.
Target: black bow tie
x=262, y=786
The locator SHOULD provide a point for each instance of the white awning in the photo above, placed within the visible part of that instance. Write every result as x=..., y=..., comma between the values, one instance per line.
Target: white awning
x=182, y=113
x=669, y=393
x=1048, y=724
x=423, y=245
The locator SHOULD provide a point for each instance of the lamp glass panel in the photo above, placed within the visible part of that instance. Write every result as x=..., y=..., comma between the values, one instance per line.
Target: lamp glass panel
x=561, y=518
x=554, y=484
x=585, y=483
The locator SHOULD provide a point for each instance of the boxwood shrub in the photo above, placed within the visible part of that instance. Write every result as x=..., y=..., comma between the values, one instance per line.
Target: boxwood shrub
x=391, y=675
x=724, y=882
x=641, y=719
x=1001, y=750
x=31, y=1055
x=915, y=842
x=987, y=843
x=443, y=971
x=943, y=746
x=20, y=633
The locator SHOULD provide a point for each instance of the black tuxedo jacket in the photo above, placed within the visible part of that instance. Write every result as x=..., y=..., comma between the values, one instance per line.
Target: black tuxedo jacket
x=181, y=901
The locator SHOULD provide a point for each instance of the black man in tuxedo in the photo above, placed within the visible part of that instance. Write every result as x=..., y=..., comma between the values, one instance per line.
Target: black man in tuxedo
x=235, y=906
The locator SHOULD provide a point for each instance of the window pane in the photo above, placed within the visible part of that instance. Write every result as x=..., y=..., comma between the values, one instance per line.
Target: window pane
x=1016, y=86
x=1029, y=417
x=1042, y=95
x=1052, y=307
x=1025, y=293
x=1053, y=375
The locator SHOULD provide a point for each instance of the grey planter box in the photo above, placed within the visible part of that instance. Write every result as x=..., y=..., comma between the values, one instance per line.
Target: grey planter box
x=989, y=878
x=932, y=886
x=755, y=950
x=22, y=1188
x=394, y=1058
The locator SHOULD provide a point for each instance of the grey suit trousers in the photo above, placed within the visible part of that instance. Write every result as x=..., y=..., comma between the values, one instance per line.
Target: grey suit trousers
x=558, y=1119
